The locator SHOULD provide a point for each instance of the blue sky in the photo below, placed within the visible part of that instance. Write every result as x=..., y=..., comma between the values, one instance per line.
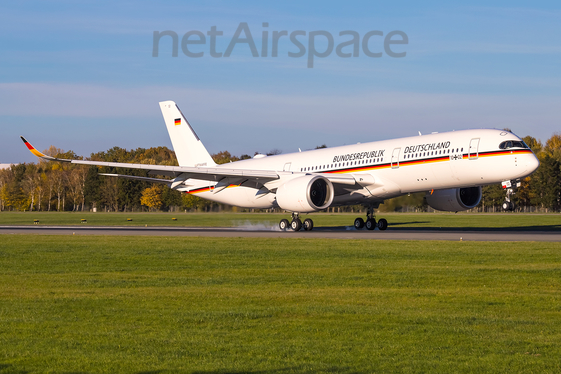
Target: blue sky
x=81, y=76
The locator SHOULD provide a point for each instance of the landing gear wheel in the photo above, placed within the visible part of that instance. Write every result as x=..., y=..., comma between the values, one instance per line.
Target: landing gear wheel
x=283, y=225
x=508, y=206
x=308, y=224
x=370, y=224
x=296, y=224
x=382, y=224
x=359, y=223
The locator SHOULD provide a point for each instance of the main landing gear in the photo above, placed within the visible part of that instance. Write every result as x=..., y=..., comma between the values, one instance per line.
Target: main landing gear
x=370, y=223
x=296, y=224
x=510, y=187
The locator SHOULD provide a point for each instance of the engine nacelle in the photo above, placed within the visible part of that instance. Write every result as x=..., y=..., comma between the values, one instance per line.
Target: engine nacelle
x=454, y=199
x=305, y=194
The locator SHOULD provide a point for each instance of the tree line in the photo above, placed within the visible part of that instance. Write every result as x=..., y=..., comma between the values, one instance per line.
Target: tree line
x=55, y=186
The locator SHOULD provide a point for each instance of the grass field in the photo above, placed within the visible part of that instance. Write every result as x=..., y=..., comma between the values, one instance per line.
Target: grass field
x=267, y=220
x=217, y=305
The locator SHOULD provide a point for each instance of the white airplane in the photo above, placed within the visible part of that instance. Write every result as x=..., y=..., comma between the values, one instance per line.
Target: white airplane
x=450, y=166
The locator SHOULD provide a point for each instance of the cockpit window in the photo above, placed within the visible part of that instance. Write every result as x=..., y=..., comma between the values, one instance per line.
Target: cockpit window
x=513, y=144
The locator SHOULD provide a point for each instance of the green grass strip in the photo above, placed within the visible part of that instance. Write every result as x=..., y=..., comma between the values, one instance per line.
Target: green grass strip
x=511, y=221
x=94, y=304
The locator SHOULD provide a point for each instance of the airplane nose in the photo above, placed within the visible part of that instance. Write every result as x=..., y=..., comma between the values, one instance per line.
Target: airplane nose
x=532, y=163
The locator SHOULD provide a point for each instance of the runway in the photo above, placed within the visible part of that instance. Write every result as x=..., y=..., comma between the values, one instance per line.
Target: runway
x=451, y=234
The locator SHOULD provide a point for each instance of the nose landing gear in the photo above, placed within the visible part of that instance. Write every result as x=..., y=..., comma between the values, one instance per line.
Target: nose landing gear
x=510, y=187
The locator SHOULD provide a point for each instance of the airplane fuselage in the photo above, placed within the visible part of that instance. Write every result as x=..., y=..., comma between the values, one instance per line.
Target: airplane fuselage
x=388, y=168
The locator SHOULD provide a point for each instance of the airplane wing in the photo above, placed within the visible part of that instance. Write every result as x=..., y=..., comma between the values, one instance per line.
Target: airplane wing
x=201, y=173
x=182, y=173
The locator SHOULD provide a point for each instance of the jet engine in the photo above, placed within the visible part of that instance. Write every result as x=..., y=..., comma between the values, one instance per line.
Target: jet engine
x=454, y=199
x=305, y=194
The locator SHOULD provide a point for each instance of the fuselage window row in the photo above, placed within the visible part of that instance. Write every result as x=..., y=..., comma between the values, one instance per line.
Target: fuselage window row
x=338, y=165
x=503, y=145
x=433, y=153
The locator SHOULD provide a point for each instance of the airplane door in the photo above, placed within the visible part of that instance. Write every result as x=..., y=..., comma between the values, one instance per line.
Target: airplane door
x=287, y=166
x=395, y=158
x=473, y=149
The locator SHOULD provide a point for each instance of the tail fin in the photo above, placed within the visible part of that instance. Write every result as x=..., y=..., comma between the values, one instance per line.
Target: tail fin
x=188, y=148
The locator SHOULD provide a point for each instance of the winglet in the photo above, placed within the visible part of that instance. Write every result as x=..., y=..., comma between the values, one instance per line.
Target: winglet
x=39, y=154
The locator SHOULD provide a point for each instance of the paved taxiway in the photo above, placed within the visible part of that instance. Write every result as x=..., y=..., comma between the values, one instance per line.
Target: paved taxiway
x=320, y=232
